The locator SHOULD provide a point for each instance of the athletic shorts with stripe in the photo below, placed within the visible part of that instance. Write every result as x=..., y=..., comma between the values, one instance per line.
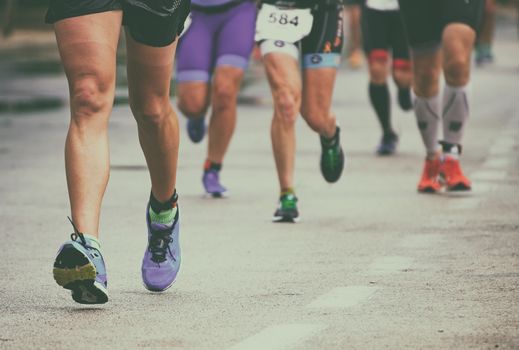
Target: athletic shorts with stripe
x=425, y=20
x=323, y=46
x=153, y=23
x=382, y=32
x=216, y=37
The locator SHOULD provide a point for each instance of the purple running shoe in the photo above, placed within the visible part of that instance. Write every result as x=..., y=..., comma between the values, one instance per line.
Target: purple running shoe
x=211, y=181
x=161, y=260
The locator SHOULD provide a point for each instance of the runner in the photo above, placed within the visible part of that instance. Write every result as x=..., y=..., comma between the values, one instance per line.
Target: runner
x=486, y=36
x=314, y=28
x=442, y=33
x=217, y=45
x=353, y=11
x=382, y=31
x=87, y=33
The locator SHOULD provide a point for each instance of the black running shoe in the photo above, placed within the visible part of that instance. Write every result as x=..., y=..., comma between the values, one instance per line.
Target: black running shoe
x=332, y=157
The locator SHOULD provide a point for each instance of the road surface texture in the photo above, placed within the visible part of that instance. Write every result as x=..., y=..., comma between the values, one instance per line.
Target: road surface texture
x=372, y=264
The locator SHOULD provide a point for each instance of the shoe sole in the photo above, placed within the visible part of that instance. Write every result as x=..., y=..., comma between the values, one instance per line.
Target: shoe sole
x=285, y=219
x=428, y=190
x=74, y=271
x=459, y=188
x=218, y=195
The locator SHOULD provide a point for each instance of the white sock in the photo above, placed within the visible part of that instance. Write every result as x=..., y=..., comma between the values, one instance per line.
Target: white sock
x=455, y=113
x=427, y=111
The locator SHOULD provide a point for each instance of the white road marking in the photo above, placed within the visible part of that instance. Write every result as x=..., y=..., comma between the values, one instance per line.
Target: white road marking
x=504, y=145
x=466, y=203
x=343, y=297
x=389, y=264
x=489, y=175
x=497, y=162
x=420, y=241
x=279, y=337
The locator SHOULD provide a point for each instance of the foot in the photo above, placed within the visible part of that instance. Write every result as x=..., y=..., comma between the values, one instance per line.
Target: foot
x=484, y=55
x=452, y=175
x=332, y=157
x=287, y=209
x=161, y=260
x=387, y=145
x=79, y=267
x=196, y=129
x=211, y=181
x=429, y=183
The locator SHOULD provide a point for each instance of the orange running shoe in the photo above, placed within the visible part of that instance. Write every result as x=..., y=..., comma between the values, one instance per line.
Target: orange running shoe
x=452, y=175
x=429, y=183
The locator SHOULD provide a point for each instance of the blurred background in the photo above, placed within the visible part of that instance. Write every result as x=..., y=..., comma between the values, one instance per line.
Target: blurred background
x=30, y=70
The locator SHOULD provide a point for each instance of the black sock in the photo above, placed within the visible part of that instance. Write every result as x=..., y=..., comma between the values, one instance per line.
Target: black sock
x=379, y=97
x=404, y=98
x=208, y=165
x=158, y=206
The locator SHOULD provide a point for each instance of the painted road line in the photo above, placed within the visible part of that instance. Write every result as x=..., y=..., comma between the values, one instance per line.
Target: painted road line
x=489, y=175
x=389, y=264
x=420, y=241
x=280, y=337
x=467, y=202
x=503, y=145
x=497, y=163
x=343, y=297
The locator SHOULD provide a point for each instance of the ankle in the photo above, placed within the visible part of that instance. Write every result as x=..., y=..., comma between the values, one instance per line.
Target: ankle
x=208, y=165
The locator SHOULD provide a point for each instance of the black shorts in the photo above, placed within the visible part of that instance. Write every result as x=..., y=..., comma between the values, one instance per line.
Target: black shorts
x=327, y=31
x=425, y=20
x=154, y=23
x=384, y=30
x=353, y=2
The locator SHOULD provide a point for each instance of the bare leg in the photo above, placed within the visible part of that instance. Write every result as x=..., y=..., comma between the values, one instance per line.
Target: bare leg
x=149, y=75
x=193, y=98
x=226, y=85
x=285, y=81
x=318, y=86
x=87, y=46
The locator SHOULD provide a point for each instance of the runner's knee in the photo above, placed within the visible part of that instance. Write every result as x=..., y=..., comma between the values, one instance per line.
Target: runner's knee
x=89, y=96
x=151, y=112
x=224, y=94
x=457, y=70
x=192, y=104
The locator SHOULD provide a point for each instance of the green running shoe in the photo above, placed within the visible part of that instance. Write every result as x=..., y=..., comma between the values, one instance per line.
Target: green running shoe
x=332, y=157
x=287, y=209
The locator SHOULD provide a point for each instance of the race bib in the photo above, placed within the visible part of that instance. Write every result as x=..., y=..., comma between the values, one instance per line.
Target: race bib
x=290, y=25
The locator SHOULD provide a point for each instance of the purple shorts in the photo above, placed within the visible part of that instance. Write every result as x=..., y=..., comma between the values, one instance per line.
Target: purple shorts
x=216, y=38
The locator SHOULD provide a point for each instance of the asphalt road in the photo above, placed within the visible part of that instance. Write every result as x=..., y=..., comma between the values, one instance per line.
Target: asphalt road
x=372, y=264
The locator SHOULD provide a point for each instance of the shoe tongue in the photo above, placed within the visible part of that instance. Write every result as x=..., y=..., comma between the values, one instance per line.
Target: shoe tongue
x=92, y=241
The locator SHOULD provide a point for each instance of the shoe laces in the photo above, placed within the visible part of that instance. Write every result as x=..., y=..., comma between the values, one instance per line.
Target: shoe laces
x=159, y=245
x=288, y=201
x=452, y=168
x=77, y=234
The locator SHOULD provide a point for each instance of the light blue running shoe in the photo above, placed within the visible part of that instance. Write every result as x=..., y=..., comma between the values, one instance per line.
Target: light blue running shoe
x=79, y=266
x=161, y=260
